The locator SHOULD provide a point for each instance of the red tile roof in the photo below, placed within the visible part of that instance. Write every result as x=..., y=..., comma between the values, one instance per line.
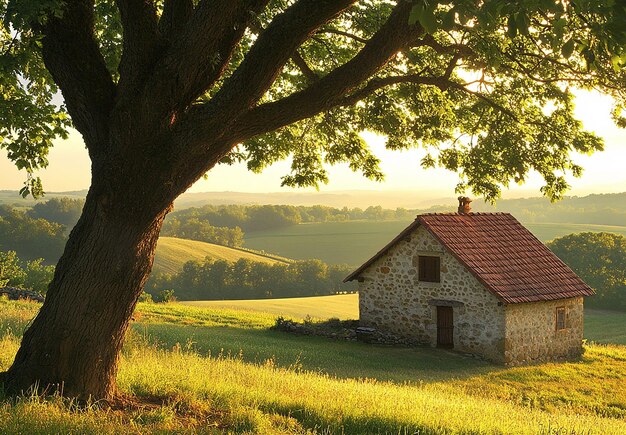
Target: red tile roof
x=500, y=253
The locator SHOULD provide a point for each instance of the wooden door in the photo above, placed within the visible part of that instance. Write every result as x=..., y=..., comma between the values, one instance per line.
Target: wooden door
x=445, y=327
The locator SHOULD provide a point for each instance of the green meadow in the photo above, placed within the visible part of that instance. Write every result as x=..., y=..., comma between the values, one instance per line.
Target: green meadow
x=603, y=327
x=318, y=307
x=549, y=231
x=222, y=370
x=353, y=242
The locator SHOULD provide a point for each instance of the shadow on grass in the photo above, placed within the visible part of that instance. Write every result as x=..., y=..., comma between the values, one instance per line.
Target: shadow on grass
x=349, y=424
x=343, y=359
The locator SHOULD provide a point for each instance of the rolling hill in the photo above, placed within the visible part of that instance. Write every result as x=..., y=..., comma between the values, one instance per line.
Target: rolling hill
x=353, y=242
x=172, y=253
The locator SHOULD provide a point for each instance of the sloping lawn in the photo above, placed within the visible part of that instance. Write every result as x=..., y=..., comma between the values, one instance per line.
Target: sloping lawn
x=221, y=370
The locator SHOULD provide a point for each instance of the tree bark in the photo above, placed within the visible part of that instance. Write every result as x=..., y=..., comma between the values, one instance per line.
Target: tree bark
x=74, y=343
x=148, y=143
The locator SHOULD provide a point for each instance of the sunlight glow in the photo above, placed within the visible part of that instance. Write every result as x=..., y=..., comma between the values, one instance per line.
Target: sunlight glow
x=69, y=167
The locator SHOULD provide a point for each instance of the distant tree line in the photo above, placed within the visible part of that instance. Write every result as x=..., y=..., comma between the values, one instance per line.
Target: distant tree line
x=268, y=217
x=64, y=211
x=41, y=231
x=30, y=237
x=196, y=229
x=600, y=260
x=226, y=224
x=31, y=275
x=599, y=209
x=245, y=279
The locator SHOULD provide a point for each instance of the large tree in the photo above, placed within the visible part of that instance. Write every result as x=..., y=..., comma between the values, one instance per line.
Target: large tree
x=163, y=90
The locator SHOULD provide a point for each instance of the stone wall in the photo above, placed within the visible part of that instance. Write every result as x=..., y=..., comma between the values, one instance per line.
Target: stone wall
x=391, y=298
x=531, y=334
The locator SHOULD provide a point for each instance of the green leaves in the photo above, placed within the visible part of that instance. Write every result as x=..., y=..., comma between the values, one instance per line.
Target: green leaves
x=511, y=27
x=10, y=271
x=424, y=13
x=522, y=23
x=23, y=14
x=30, y=119
x=32, y=186
x=568, y=48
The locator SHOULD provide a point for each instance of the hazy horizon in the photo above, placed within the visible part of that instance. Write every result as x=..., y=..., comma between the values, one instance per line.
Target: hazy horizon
x=69, y=168
x=338, y=199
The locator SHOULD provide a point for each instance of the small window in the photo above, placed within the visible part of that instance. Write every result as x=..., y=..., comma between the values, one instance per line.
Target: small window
x=429, y=268
x=561, y=317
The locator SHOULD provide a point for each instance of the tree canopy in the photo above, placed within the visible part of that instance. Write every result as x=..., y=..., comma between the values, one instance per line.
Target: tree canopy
x=600, y=260
x=485, y=87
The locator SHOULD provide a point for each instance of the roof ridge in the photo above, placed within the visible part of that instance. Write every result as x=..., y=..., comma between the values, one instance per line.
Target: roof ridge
x=506, y=257
x=478, y=213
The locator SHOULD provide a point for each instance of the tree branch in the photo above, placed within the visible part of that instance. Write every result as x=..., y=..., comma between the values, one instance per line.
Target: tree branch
x=264, y=61
x=486, y=99
x=142, y=44
x=273, y=48
x=442, y=83
x=342, y=33
x=429, y=41
x=72, y=56
x=176, y=14
x=451, y=65
x=297, y=58
x=299, y=61
x=395, y=35
x=197, y=58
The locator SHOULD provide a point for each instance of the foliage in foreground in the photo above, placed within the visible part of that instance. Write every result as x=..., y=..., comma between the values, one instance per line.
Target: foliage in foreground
x=31, y=275
x=181, y=390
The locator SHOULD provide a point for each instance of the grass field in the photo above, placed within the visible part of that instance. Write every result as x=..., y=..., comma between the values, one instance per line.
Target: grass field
x=332, y=242
x=220, y=370
x=354, y=242
x=172, y=253
x=605, y=327
x=318, y=307
x=549, y=231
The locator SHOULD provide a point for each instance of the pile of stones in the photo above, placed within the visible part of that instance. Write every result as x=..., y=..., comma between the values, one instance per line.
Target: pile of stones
x=332, y=328
x=14, y=293
x=341, y=330
x=373, y=335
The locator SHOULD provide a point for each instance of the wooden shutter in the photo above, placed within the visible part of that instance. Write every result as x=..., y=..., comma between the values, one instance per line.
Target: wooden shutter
x=429, y=268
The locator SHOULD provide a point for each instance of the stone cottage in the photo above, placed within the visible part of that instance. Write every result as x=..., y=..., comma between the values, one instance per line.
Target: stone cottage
x=475, y=282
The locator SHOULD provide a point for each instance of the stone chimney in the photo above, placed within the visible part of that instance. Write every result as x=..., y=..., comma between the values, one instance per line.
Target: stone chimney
x=464, y=205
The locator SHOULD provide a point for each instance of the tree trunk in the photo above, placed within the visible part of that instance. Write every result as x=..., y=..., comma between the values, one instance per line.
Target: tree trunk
x=73, y=345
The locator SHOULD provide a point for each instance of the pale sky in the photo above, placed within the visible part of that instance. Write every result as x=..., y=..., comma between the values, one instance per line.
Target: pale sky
x=605, y=172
